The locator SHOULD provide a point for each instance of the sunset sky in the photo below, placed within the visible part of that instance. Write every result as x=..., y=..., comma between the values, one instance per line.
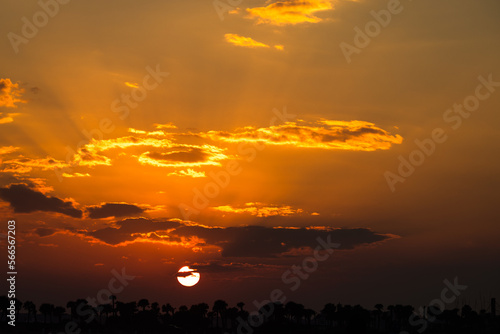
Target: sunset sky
x=228, y=136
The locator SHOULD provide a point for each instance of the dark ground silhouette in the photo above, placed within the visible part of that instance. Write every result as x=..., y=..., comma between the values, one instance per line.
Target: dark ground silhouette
x=144, y=317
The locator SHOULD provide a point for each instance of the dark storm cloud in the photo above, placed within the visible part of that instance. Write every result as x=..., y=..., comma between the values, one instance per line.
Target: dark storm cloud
x=129, y=228
x=246, y=241
x=113, y=210
x=25, y=200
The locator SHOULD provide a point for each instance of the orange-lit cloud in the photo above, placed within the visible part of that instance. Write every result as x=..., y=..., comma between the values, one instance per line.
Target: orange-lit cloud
x=131, y=84
x=169, y=150
x=291, y=12
x=244, y=41
x=7, y=117
x=162, y=152
x=10, y=93
x=165, y=126
x=260, y=209
x=326, y=134
x=23, y=164
x=189, y=172
x=8, y=149
x=205, y=155
x=75, y=175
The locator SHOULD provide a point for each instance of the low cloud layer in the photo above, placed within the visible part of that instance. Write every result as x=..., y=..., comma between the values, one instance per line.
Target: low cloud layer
x=113, y=210
x=243, y=241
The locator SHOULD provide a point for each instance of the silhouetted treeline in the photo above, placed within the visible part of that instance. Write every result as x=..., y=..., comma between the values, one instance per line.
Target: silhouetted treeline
x=79, y=316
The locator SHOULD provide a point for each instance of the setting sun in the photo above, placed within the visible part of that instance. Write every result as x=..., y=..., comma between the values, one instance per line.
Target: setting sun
x=187, y=276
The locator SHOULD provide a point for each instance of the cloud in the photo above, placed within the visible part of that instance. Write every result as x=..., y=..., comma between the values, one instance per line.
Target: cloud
x=165, y=126
x=219, y=267
x=242, y=241
x=10, y=94
x=260, y=209
x=184, y=156
x=326, y=134
x=189, y=172
x=22, y=163
x=289, y=12
x=131, y=229
x=113, y=210
x=75, y=175
x=7, y=117
x=260, y=241
x=187, y=153
x=216, y=267
x=44, y=231
x=25, y=200
x=192, y=154
x=163, y=151
x=8, y=149
x=131, y=84
x=244, y=41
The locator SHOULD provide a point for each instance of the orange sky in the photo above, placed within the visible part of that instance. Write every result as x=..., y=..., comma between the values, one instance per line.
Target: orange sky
x=152, y=135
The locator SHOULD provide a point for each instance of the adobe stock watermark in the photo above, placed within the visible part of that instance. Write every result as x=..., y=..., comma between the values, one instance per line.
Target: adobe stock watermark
x=115, y=286
x=363, y=38
x=436, y=306
x=222, y=179
x=225, y=6
x=293, y=278
x=120, y=106
x=454, y=118
x=30, y=28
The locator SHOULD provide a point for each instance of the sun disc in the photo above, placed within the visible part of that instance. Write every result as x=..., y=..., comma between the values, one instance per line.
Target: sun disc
x=188, y=280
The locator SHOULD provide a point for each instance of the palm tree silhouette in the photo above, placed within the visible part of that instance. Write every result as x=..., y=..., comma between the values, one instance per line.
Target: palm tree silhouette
x=4, y=304
x=240, y=306
x=308, y=314
x=46, y=309
x=155, y=308
x=168, y=310
x=113, y=301
x=219, y=308
x=58, y=312
x=295, y=310
x=143, y=303
x=329, y=313
x=30, y=307
x=72, y=307
x=379, y=308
